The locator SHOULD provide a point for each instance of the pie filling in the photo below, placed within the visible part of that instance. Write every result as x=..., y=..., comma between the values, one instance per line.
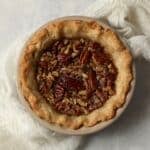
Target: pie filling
x=75, y=76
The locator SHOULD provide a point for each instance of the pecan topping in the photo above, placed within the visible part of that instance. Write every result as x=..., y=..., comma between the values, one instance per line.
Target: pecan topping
x=101, y=95
x=97, y=46
x=75, y=76
x=91, y=83
x=73, y=84
x=63, y=58
x=84, y=57
x=70, y=83
x=59, y=91
x=100, y=58
x=43, y=64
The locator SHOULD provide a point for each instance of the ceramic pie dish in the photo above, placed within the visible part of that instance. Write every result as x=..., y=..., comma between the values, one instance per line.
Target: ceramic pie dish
x=75, y=75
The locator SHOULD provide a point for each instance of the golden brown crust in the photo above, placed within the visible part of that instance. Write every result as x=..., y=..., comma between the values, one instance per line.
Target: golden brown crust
x=75, y=28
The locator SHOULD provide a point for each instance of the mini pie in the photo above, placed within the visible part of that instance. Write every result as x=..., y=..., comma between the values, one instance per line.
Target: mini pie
x=75, y=73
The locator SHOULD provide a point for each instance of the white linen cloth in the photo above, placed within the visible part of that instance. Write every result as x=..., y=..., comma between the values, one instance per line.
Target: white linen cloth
x=18, y=130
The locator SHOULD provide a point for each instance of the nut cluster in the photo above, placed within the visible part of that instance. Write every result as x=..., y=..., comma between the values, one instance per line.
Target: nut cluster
x=75, y=76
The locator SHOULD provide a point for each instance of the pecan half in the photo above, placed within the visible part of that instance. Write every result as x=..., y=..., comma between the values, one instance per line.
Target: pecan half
x=42, y=87
x=100, y=58
x=71, y=83
x=43, y=64
x=65, y=84
x=103, y=96
x=59, y=90
x=68, y=108
x=91, y=82
x=97, y=46
x=94, y=103
x=85, y=57
x=63, y=58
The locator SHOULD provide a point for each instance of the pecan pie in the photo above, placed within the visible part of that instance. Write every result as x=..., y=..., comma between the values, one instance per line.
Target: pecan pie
x=75, y=73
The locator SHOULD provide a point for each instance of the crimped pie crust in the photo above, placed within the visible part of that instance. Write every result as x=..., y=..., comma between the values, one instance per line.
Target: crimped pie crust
x=122, y=60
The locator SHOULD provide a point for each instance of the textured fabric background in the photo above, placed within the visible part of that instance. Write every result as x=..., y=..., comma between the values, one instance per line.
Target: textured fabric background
x=19, y=18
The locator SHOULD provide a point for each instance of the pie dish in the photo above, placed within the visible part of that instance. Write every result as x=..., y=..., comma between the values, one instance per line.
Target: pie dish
x=75, y=73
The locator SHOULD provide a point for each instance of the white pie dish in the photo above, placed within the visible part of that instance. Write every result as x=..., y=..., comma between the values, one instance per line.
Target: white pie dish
x=83, y=130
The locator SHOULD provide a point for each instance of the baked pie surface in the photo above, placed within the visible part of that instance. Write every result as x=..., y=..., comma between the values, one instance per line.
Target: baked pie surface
x=75, y=73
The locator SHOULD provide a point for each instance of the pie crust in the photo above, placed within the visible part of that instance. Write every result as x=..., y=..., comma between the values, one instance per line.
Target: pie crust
x=74, y=28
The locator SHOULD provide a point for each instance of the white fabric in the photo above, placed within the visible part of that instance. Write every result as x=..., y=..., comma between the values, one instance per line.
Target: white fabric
x=130, y=18
x=18, y=130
